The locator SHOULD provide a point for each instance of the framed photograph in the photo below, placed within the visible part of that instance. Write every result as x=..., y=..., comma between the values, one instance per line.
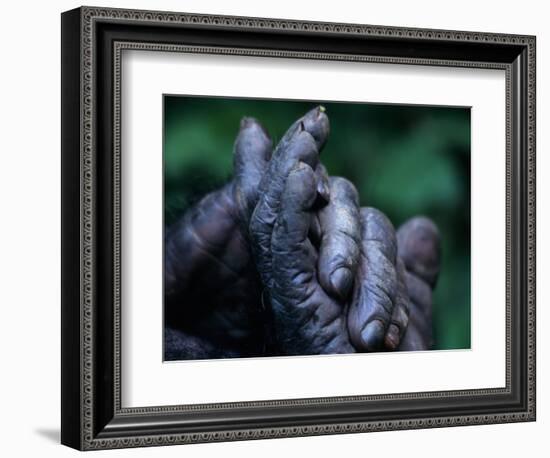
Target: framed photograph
x=276, y=228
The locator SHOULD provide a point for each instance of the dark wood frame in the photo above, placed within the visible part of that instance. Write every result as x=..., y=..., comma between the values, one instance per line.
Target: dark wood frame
x=92, y=42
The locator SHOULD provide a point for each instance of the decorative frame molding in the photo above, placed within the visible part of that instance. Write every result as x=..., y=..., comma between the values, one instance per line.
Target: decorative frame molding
x=92, y=40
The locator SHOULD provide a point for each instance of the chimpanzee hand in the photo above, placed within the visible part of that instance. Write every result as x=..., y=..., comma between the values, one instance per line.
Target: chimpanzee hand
x=378, y=313
x=306, y=319
x=211, y=287
x=392, y=304
x=211, y=284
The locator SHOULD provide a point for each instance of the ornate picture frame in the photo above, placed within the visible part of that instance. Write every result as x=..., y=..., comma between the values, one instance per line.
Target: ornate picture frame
x=92, y=42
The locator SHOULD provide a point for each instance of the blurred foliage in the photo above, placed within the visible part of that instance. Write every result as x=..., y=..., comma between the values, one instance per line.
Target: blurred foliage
x=404, y=160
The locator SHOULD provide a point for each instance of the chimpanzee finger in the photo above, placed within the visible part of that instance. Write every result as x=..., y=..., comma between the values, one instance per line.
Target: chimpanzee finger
x=316, y=122
x=301, y=142
x=418, y=335
x=311, y=128
x=419, y=246
x=376, y=284
x=400, y=315
x=340, y=240
x=307, y=320
x=301, y=148
x=293, y=254
x=251, y=154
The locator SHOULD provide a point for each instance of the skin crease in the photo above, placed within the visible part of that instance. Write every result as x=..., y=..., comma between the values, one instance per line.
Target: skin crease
x=248, y=307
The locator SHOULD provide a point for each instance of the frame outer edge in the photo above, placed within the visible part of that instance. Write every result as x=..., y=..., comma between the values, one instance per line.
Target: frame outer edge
x=86, y=196
x=296, y=25
x=531, y=227
x=71, y=325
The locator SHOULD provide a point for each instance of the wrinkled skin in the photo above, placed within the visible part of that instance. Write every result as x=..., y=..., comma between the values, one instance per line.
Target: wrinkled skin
x=282, y=261
x=306, y=318
x=418, y=243
x=212, y=288
x=211, y=285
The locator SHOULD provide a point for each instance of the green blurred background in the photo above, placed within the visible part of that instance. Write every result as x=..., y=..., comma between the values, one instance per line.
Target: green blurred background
x=404, y=160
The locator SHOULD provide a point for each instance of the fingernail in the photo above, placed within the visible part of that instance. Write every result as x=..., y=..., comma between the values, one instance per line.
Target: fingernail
x=322, y=109
x=323, y=189
x=246, y=121
x=315, y=122
x=373, y=335
x=392, y=337
x=323, y=193
x=340, y=280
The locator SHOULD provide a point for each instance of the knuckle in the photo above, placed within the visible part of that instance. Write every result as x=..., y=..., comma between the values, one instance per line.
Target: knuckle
x=344, y=189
